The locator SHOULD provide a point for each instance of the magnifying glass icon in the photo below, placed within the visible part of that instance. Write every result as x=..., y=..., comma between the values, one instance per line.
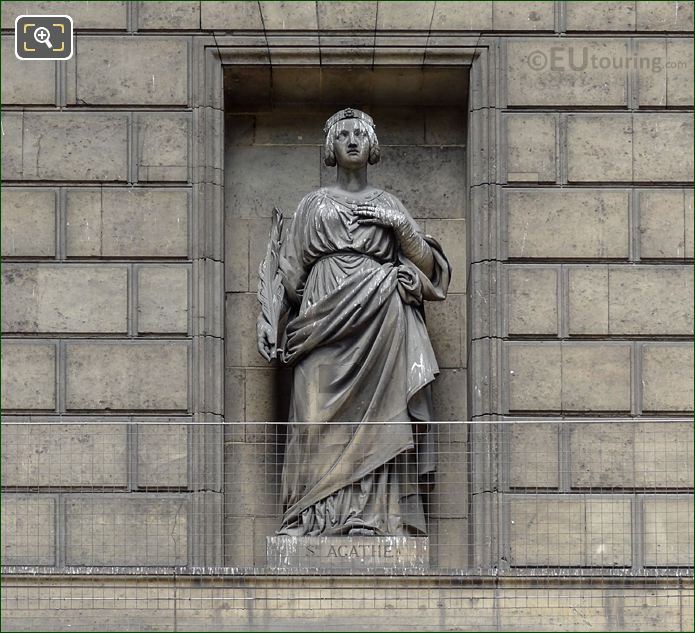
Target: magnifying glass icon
x=43, y=36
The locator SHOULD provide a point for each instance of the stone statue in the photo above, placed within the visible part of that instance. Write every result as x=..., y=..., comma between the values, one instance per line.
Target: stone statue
x=342, y=293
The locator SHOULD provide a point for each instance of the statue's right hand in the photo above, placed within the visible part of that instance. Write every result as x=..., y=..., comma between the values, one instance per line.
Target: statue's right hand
x=265, y=334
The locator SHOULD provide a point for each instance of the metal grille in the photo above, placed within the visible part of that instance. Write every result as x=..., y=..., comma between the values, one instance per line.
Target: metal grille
x=522, y=517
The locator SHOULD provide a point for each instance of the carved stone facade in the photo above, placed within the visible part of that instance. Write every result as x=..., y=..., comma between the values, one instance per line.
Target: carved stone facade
x=551, y=143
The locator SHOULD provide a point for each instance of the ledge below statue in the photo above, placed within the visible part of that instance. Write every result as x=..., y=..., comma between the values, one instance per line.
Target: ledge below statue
x=348, y=553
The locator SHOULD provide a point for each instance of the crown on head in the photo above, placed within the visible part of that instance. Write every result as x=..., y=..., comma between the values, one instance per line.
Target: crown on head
x=348, y=113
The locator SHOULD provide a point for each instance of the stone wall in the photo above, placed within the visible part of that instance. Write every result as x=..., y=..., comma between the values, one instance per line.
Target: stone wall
x=598, y=285
x=101, y=264
x=132, y=214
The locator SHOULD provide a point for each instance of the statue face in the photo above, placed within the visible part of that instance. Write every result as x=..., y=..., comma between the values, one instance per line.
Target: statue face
x=351, y=144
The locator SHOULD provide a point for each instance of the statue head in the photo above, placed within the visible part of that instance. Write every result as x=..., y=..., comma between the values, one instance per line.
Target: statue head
x=349, y=126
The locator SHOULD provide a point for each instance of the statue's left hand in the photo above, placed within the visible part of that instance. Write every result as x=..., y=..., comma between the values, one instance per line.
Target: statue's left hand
x=413, y=245
x=383, y=216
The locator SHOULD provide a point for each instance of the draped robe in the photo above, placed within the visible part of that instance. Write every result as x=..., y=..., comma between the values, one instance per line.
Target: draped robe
x=362, y=357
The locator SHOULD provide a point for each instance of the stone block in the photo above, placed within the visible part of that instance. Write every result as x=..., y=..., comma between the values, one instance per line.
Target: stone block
x=162, y=455
x=686, y=613
x=530, y=147
x=28, y=375
x=12, y=127
x=449, y=543
x=462, y=16
x=83, y=223
x=168, y=15
x=72, y=146
x=85, y=15
x=138, y=71
x=588, y=300
x=292, y=85
x=288, y=170
x=449, y=497
x=599, y=148
x=163, y=299
x=20, y=87
x=249, y=543
x=239, y=129
x=551, y=609
x=651, y=72
x=252, y=479
x=559, y=72
x=28, y=528
x=286, y=127
x=451, y=235
x=665, y=66
x=532, y=295
x=533, y=455
x=28, y=222
x=663, y=147
x=667, y=377
x=60, y=298
x=163, y=147
x=679, y=72
x=246, y=86
x=234, y=15
x=602, y=455
x=523, y=16
x=547, y=531
x=600, y=16
x=345, y=16
x=534, y=377
x=235, y=402
x=664, y=454
x=570, y=530
x=567, y=224
x=449, y=395
x=655, y=610
x=130, y=530
x=664, y=16
x=407, y=125
x=689, y=223
x=662, y=224
x=259, y=231
x=446, y=324
x=404, y=16
x=236, y=255
x=445, y=126
x=123, y=376
x=65, y=455
x=353, y=554
x=668, y=531
x=650, y=300
x=281, y=16
x=242, y=310
x=136, y=223
x=595, y=377
x=266, y=395
x=608, y=531
x=240, y=545
x=399, y=87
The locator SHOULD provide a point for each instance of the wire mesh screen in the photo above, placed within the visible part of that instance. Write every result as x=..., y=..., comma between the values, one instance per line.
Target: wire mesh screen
x=268, y=516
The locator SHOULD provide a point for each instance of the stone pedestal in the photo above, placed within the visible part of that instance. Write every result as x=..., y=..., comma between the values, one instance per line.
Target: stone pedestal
x=348, y=553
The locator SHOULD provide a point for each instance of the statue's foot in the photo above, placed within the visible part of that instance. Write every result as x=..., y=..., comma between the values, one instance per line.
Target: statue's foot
x=361, y=532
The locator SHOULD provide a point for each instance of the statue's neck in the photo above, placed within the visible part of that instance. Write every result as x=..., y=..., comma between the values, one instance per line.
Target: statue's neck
x=353, y=180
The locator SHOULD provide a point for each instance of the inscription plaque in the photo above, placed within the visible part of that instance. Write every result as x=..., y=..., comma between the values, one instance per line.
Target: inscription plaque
x=368, y=553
